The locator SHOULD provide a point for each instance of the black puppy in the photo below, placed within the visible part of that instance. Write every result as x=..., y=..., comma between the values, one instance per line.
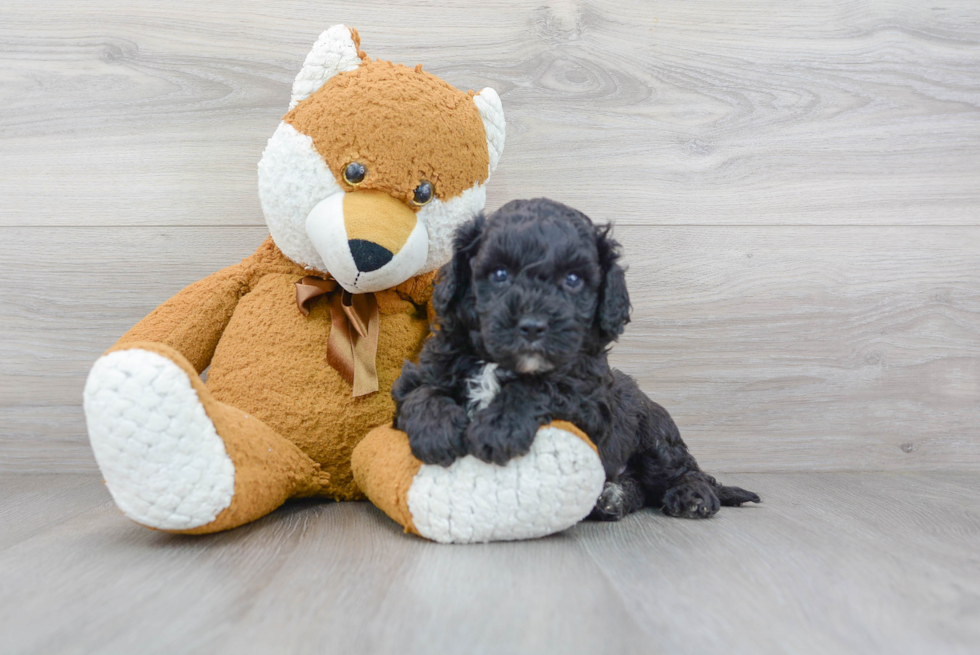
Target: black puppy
x=526, y=311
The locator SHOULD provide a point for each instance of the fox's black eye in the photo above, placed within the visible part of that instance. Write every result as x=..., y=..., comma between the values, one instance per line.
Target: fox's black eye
x=354, y=173
x=423, y=193
x=573, y=281
x=499, y=276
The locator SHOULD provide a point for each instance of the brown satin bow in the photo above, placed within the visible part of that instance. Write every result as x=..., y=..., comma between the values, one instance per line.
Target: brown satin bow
x=352, y=347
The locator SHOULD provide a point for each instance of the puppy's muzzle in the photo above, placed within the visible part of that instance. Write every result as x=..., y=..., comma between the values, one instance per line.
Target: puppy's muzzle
x=532, y=328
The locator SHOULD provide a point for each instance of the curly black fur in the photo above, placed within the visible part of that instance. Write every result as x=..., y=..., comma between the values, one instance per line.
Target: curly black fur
x=537, y=289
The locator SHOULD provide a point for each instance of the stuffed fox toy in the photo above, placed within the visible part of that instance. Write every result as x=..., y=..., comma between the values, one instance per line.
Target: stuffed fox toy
x=362, y=186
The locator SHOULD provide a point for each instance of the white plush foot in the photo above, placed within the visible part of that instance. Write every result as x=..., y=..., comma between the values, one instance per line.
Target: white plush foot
x=164, y=463
x=550, y=489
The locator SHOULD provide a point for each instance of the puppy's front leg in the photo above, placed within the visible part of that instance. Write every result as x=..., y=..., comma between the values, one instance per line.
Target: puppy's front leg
x=433, y=421
x=506, y=427
x=435, y=425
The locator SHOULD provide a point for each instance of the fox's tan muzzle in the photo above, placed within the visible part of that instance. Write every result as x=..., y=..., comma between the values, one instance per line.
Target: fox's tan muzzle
x=368, y=240
x=377, y=226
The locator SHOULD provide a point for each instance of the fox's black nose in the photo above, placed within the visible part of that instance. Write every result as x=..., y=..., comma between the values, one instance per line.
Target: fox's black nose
x=532, y=327
x=368, y=256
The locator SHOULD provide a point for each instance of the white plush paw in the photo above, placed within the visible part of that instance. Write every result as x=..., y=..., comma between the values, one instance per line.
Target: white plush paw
x=164, y=463
x=550, y=489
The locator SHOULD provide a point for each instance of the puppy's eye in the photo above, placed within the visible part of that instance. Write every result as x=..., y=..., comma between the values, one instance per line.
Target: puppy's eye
x=354, y=173
x=423, y=193
x=499, y=276
x=573, y=281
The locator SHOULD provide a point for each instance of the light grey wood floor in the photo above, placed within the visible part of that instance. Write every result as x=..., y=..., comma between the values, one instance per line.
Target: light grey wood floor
x=797, y=186
x=830, y=563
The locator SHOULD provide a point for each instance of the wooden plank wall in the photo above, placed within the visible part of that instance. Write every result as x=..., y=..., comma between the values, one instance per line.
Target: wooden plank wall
x=797, y=186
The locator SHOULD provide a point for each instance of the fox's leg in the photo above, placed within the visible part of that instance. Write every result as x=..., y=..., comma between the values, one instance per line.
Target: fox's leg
x=547, y=490
x=176, y=459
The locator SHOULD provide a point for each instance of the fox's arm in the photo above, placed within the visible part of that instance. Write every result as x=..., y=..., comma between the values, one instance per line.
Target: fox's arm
x=193, y=321
x=418, y=290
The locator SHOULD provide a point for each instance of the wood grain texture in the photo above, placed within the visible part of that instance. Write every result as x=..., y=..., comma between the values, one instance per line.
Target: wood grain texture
x=807, y=348
x=31, y=504
x=713, y=112
x=775, y=348
x=55, y=325
x=797, y=188
x=830, y=563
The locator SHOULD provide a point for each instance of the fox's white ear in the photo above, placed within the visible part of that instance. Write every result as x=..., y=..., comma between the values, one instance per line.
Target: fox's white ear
x=492, y=113
x=336, y=51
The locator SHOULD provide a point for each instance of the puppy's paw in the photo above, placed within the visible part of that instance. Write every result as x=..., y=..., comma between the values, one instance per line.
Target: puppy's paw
x=693, y=499
x=497, y=438
x=439, y=440
x=442, y=449
x=611, y=504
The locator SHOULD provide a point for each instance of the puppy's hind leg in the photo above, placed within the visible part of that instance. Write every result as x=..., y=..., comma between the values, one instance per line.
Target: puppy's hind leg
x=692, y=496
x=670, y=474
x=617, y=500
x=698, y=495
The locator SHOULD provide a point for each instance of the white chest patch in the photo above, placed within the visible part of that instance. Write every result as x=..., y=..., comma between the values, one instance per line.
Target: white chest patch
x=482, y=388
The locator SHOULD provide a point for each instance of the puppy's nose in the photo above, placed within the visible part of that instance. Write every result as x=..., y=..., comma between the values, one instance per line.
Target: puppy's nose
x=368, y=256
x=532, y=327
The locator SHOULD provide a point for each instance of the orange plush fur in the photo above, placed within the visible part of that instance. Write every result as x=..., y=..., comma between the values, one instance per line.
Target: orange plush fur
x=404, y=124
x=288, y=420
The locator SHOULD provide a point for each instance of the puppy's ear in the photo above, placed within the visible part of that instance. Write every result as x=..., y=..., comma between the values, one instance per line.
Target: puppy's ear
x=613, y=311
x=455, y=278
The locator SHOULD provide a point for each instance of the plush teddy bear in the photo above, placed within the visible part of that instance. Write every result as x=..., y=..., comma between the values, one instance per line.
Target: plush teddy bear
x=362, y=186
